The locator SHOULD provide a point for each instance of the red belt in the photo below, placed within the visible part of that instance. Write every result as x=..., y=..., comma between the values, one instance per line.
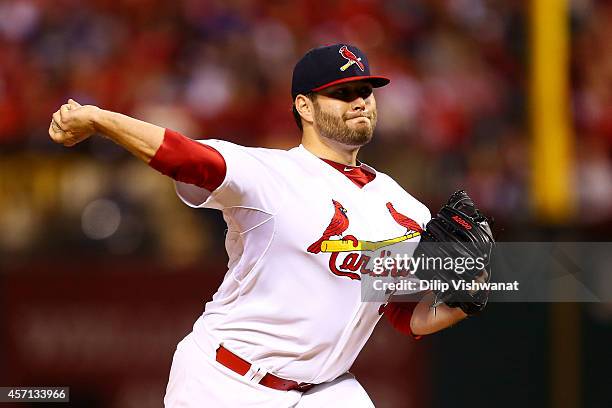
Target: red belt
x=240, y=366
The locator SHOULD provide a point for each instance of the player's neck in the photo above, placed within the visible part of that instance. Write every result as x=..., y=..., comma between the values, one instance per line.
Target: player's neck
x=330, y=150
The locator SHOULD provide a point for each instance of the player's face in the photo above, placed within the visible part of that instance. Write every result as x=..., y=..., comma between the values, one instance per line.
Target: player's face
x=346, y=113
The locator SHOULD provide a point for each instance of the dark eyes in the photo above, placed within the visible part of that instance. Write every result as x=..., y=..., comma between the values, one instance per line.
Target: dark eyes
x=364, y=92
x=349, y=94
x=340, y=93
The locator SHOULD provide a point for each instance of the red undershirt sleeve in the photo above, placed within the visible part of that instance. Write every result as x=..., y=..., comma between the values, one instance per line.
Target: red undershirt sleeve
x=399, y=315
x=190, y=162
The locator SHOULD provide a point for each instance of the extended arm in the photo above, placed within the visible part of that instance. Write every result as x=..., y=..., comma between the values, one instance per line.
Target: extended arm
x=168, y=152
x=73, y=123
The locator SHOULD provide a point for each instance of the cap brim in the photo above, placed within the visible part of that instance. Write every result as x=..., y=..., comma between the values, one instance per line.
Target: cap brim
x=376, y=81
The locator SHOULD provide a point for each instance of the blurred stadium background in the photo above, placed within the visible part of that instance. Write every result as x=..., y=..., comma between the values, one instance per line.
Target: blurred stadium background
x=102, y=270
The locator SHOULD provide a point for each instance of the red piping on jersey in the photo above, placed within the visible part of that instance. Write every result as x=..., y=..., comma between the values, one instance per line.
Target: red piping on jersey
x=188, y=161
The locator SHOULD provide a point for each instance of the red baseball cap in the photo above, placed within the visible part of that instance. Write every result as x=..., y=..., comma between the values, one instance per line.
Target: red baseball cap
x=326, y=66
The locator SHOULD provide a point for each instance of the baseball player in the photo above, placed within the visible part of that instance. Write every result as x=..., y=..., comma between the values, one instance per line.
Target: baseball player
x=287, y=322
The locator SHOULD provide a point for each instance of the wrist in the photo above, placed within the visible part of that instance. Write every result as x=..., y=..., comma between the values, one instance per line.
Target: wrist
x=97, y=118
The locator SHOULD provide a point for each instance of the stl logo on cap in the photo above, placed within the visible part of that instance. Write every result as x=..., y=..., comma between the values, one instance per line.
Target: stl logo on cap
x=352, y=59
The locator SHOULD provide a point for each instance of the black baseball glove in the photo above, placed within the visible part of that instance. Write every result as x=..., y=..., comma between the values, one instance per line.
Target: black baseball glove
x=457, y=234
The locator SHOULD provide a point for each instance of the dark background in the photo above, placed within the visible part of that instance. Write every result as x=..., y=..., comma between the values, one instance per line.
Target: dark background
x=103, y=271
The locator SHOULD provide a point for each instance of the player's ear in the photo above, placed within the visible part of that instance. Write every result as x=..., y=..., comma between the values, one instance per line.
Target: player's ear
x=304, y=107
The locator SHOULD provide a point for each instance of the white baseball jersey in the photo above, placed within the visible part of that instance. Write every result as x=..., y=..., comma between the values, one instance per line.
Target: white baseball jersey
x=295, y=312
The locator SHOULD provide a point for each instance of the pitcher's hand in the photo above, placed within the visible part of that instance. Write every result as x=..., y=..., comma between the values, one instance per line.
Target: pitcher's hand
x=73, y=123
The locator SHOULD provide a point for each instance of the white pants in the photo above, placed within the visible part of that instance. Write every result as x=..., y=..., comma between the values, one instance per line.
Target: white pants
x=197, y=380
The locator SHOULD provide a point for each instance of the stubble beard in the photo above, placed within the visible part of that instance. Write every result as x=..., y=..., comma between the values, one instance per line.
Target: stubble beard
x=335, y=128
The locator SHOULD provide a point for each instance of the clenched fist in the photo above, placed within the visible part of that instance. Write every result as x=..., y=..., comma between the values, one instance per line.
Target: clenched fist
x=73, y=123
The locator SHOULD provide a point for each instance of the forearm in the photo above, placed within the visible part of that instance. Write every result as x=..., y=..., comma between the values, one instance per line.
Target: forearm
x=168, y=152
x=426, y=319
x=140, y=138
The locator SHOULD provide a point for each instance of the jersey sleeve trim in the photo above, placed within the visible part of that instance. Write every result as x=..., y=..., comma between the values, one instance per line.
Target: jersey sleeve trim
x=399, y=315
x=190, y=162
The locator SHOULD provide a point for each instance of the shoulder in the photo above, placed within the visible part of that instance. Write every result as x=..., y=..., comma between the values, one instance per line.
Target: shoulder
x=234, y=146
x=228, y=148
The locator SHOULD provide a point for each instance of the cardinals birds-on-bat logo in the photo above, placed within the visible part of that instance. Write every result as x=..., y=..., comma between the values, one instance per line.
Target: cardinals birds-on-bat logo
x=352, y=59
x=350, y=257
x=401, y=219
x=339, y=223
